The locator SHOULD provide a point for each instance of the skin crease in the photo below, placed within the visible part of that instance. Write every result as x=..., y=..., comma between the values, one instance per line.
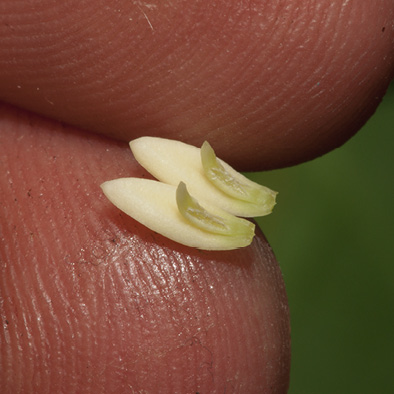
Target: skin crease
x=90, y=301
x=93, y=302
x=268, y=83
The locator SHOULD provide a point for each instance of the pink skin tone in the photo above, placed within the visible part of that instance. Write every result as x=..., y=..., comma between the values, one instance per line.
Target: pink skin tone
x=94, y=301
x=268, y=83
x=90, y=300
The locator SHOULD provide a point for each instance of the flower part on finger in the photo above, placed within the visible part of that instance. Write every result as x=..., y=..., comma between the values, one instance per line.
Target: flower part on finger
x=205, y=218
x=154, y=204
x=234, y=183
x=225, y=224
x=173, y=161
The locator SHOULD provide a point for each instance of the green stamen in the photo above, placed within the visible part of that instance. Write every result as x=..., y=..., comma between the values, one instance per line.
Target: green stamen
x=234, y=184
x=225, y=224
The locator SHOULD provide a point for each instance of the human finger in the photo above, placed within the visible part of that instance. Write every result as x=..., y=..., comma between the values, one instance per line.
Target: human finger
x=92, y=301
x=269, y=84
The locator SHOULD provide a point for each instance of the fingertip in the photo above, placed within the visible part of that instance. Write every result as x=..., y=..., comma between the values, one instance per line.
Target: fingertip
x=111, y=305
x=270, y=85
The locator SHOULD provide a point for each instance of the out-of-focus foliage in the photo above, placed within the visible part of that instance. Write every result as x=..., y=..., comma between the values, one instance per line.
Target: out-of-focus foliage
x=333, y=234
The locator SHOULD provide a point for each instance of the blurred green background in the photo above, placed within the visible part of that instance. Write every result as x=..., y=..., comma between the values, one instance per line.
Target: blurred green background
x=333, y=234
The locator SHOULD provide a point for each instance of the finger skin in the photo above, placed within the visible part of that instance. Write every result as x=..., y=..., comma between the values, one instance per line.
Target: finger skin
x=93, y=302
x=268, y=83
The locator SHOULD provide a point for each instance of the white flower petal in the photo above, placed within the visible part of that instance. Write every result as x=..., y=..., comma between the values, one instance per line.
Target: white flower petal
x=154, y=205
x=173, y=162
